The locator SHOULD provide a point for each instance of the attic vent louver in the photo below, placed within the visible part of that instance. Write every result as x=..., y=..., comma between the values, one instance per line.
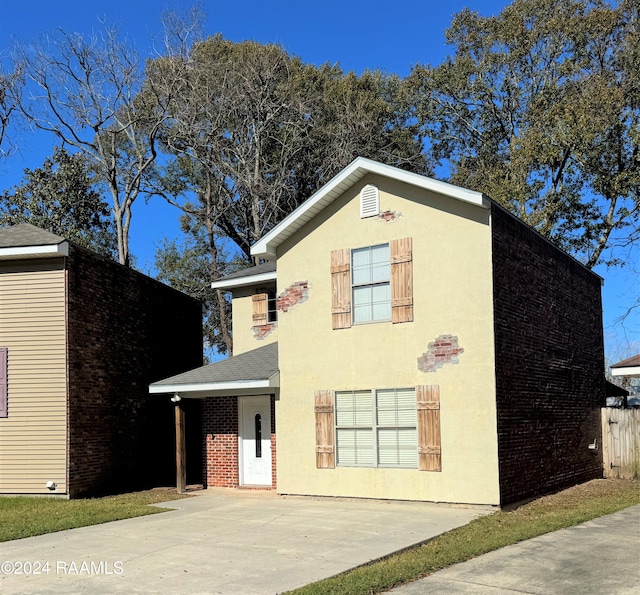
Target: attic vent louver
x=369, y=201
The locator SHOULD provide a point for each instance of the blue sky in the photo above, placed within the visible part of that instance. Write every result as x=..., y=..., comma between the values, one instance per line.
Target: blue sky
x=357, y=35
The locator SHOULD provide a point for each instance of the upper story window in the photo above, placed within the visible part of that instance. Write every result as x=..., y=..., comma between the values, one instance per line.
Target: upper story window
x=264, y=307
x=370, y=282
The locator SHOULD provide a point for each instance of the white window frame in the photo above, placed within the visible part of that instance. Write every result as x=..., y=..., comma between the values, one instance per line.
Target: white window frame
x=374, y=427
x=272, y=306
x=369, y=284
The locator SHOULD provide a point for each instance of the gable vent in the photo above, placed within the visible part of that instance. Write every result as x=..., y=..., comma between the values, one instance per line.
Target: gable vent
x=369, y=201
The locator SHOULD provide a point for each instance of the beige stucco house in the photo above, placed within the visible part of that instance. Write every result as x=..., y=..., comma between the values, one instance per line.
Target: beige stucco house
x=81, y=337
x=404, y=339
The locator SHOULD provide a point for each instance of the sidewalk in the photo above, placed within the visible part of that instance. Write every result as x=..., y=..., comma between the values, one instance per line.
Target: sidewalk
x=596, y=558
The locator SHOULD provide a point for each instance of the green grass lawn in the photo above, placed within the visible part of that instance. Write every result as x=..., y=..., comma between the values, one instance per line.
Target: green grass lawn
x=564, y=509
x=24, y=517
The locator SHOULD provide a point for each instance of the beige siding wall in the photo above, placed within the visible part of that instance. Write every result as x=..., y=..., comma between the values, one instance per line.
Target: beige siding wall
x=452, y=295
x=32, y=327
x=244, y=336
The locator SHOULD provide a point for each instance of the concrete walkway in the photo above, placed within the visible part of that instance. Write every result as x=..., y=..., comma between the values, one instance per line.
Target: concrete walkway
x=223, y=541
x=600, y=557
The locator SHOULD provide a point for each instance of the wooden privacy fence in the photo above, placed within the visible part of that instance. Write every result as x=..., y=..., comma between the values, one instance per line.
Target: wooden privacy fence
x=621, y=443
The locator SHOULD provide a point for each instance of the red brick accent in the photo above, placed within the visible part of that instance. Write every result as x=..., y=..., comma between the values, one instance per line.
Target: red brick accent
x=444, y=350
x=294, y=294
x=262, y=330
x=388, y=216
x=220, y=430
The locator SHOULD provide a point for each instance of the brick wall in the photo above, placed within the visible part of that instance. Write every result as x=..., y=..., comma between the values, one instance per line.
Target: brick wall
x=549, y=363
x=125, y=331
x=220, y=431
x=220, y=441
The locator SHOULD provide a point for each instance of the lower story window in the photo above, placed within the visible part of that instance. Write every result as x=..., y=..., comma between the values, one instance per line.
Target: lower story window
x=376, y=428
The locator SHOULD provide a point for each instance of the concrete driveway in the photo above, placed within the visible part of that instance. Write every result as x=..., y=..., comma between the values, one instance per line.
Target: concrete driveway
x=223, y=541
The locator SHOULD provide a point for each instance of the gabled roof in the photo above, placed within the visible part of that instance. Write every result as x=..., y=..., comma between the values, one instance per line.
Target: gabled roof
x=251, y=276
x=253, y=372
x=266, y=247
x=28, y=241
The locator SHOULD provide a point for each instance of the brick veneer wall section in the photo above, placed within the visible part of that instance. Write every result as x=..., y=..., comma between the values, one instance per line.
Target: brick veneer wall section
x=220, y=431
x=220, y=441
x=549, y=363
x=124, y=331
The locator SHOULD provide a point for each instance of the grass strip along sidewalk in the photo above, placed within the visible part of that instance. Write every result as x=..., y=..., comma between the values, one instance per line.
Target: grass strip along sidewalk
x=550, y=513
x=25, y=517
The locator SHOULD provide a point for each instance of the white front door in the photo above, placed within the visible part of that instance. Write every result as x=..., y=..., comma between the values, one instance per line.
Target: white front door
x=255, y=440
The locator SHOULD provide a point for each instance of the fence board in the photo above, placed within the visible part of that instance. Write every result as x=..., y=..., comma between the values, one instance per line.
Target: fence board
x=621, y=443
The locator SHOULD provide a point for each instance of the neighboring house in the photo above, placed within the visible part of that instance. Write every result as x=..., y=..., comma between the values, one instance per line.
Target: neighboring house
x=416, y=341
x=81, y=337
x=625, y=371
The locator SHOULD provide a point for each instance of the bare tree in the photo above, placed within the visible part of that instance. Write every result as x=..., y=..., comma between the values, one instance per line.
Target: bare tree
x=235, y=130
x=10, y=89
x=86, y=91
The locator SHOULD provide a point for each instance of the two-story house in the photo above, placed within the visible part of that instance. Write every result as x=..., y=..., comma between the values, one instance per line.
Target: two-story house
x=405, y=339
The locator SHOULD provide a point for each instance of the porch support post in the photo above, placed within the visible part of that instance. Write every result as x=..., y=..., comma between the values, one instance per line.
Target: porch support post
x=181, y=451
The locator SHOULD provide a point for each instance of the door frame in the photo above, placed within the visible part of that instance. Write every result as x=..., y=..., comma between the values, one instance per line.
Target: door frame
x=241, y=402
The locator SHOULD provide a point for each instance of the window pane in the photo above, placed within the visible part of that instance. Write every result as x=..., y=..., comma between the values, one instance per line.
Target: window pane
x=380, y=263
x=361, y=265
x=380, y=254
x=361, y=304
x=362, y=296
x=397, y=447
x=354, y=408
x=396, y=407
x=381, y=302
x=355, y=447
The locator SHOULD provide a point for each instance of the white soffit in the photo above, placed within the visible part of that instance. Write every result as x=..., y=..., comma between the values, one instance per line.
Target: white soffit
x=266, y=247
x=203, y=389
x=244, y=281
x=632, y=371
x=49, y=251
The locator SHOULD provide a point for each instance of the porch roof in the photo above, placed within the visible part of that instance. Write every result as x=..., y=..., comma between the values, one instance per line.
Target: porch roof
x=252, y=373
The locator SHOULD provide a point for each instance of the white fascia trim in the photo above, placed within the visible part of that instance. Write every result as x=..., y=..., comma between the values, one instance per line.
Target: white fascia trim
x=267, y=245
x=629, y=371
x=244, y=281
x=47, y=251
x=272, y=382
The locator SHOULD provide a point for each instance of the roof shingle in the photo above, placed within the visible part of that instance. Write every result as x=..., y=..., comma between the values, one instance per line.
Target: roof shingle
x=26, y=234
x=258, y=364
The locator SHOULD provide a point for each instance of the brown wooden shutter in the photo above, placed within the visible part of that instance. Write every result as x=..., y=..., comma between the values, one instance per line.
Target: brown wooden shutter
x=401, y=280
x=341, y=288
x=260, y=302
x=325, y=447
x=429, y=448
x=3, y=382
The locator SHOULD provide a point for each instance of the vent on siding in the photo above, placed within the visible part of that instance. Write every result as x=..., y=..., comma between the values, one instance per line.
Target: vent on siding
x=369, y=201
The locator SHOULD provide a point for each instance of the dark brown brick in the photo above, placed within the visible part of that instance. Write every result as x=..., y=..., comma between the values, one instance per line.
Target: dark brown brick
x=125, y=330
x=549, y=363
